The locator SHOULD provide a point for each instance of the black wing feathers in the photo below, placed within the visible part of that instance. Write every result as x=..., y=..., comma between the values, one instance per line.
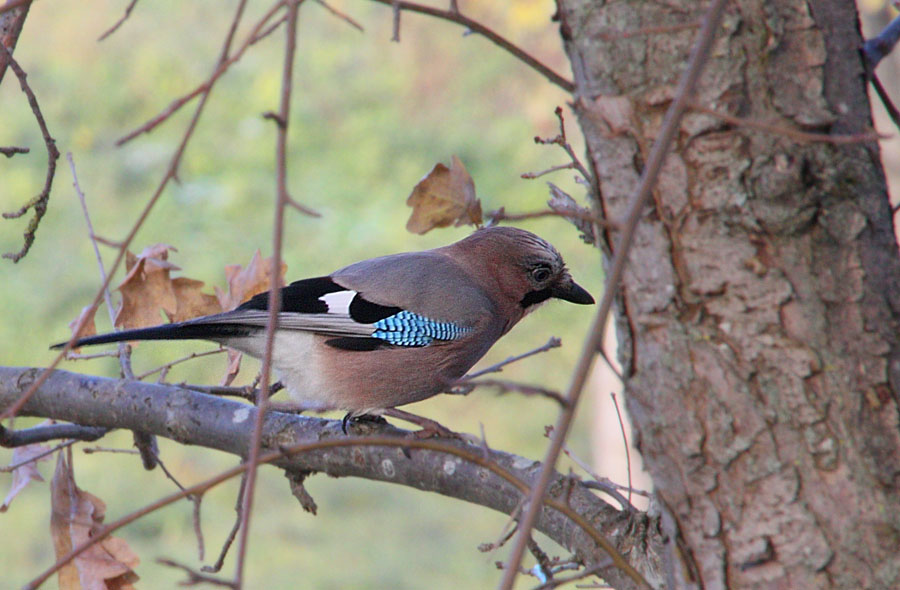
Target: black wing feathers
x=366, y=312
x=303, y=297
x=298, y=297
x=358, y=344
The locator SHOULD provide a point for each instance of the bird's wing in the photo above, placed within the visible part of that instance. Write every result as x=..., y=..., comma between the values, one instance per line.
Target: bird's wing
x=322, y=306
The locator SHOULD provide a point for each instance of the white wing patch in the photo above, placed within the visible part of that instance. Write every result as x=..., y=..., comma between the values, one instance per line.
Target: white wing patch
x=338, y=302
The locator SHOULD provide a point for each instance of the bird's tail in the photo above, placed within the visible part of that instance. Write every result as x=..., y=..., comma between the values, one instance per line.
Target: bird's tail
x=181, y=331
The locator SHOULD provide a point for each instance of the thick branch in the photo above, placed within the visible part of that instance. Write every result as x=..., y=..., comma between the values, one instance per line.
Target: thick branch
x=194, y=418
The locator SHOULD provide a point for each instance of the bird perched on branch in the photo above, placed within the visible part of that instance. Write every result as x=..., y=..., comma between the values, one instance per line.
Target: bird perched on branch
x=391, y=330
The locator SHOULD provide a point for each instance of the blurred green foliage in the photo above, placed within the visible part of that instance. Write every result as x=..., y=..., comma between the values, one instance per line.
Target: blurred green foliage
x=370, y=118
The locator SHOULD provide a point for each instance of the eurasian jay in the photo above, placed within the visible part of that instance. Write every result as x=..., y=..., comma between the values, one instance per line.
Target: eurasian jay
x=392, y=330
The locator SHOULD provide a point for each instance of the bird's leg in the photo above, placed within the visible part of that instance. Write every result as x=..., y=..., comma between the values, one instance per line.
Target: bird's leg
x=430, y=428
x=358, y=418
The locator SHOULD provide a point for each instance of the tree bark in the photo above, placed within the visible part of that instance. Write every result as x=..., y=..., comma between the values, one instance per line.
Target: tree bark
x=758, y=318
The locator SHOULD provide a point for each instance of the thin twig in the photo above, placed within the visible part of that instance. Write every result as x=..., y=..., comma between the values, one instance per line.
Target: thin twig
x=124, y=359
x=554, y=342
x=119, y=22
x=198, y=528
x=562, y=141
x=195, y=499
x=269, y=30
x=262, y=403
x=195, y=577
x=238, y=511
x=504, y=537
x=523, y=388
x=395, y=21
x=501, y=215
x=609, y=364
x=38, y=203
x=594, y=340
x=50, y=451
x=77, y=356
x=341, y=15
x=12, y=150
x=889, y=105
x=169, y=365
x=145, y=443
x=478, y=28
x=550, y=170
x=243, y=392
x=92, y=450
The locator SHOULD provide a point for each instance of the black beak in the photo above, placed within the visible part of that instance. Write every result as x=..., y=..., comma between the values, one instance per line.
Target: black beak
x=572, y=291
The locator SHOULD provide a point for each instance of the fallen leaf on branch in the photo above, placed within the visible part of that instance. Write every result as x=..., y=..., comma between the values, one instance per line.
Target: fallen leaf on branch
x=27, y=473
x=190, y=301
x=146, y=289
x=445, y=196
x=76, y=516
x=244, y=283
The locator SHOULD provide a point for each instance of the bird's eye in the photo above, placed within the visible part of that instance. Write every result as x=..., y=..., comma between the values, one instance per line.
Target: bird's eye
x=540, y=273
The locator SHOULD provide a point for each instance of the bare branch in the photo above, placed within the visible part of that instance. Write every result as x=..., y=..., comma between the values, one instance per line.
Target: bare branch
x=38, y=434
x=493, y=479
x=562, y=141
x=262, y=401
x=554, y=342
x=238, y=519
x=146, y=445
x=38, y=203
x=343, y=16
x=169, y=365
x=501, y=215
x=194, y=577
x=453, y=15
x=119, y=22
x=511, y=386
x=11, y=151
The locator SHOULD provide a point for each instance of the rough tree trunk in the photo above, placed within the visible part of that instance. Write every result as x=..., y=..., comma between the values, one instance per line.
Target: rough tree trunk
x=759, y=314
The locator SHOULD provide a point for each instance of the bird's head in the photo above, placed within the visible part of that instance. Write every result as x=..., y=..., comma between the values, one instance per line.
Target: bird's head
x=523, y=266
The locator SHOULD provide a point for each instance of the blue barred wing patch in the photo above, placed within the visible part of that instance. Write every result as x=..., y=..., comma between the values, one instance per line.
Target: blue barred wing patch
x=410, y=329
